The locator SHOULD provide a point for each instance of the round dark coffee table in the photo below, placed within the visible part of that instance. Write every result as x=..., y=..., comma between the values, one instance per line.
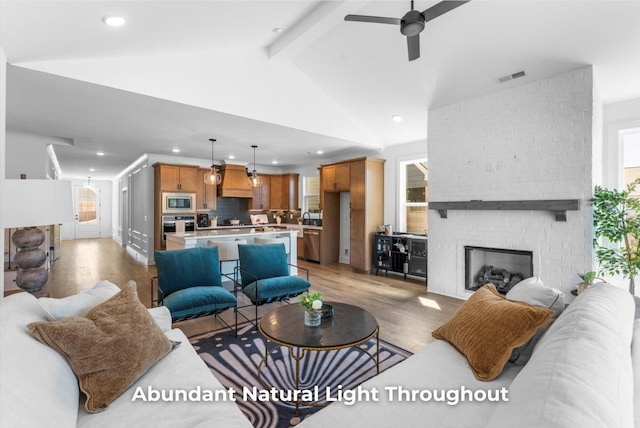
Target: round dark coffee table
x=349, y=327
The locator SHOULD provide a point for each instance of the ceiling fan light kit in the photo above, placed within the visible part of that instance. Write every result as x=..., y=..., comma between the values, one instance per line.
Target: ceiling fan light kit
x=412, y=23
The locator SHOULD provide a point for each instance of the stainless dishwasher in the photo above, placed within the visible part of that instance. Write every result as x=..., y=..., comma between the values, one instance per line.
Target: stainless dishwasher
x=312, y=245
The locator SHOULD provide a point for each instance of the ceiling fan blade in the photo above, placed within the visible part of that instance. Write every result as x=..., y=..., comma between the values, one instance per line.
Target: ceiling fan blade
x=413, y=43
x=374, y=19
x=440, y=9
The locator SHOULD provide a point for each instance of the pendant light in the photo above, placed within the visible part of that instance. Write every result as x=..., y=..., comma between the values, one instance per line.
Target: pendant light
x=254, y=180
x=212, y=177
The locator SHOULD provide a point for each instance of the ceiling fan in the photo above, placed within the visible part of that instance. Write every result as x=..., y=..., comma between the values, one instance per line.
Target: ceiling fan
x=412, y=23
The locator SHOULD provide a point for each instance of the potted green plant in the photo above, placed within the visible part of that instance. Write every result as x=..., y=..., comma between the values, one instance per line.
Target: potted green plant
x=312, y=303
x=588, y=279
x=278, y=215
x=617, y=231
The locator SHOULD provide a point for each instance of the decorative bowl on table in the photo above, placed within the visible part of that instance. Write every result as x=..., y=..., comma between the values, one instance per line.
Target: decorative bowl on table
x=327, y=311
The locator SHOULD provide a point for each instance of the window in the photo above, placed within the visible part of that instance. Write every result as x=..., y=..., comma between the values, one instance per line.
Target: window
x=311, y=192
x=632, y=159
x=87, y=198
x=414, y=193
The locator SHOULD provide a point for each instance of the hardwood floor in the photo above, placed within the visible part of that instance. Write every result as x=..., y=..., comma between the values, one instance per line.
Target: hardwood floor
x=406, y=312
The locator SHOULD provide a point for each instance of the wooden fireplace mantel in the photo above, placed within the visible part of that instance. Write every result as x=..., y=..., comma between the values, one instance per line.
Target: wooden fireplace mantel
x=558, y=207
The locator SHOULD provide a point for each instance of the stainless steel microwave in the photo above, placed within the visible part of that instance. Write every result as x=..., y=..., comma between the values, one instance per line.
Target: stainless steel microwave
x=178, y=203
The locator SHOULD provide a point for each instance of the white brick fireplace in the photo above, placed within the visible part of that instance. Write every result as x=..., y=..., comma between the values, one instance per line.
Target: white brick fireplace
x=538, y=141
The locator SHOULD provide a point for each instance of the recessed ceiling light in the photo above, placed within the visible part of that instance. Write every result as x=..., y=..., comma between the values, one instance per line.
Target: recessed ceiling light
x=100, y=153
x=396, y=118
x=277, y=30
x=319, y=152
x=92, y=169
x=113, y=21
x=232, y=156
x=274, y=162
x=175, y=150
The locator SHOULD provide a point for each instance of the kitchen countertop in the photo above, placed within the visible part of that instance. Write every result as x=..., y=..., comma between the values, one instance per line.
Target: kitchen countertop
x=298, y=226
x=244, y=226
x=292, y=226
x=199, y=237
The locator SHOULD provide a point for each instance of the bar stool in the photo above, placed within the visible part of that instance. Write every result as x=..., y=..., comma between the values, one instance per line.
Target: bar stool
x=277, y=240
x=228, y=251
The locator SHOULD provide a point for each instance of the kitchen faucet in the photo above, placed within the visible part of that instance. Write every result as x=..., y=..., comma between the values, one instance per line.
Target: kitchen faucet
x=306, y=214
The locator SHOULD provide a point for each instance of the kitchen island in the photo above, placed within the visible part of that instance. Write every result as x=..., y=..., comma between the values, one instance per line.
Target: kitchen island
x=201, y=238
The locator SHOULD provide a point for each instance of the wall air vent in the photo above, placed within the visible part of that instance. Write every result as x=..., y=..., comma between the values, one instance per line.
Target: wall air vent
x=512, y=76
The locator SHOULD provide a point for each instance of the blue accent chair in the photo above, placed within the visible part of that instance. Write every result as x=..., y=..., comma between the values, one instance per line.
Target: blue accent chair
x=264, y=275
x=189, y=283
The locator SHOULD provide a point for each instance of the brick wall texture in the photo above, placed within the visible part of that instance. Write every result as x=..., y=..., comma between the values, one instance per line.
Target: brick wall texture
x=532, y=142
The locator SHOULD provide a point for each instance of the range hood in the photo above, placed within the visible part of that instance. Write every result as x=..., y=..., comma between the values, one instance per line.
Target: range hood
x=235, y=182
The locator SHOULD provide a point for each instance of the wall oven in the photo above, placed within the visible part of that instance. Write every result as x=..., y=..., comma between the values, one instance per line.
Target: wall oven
x=178, y=203
x=169, y=225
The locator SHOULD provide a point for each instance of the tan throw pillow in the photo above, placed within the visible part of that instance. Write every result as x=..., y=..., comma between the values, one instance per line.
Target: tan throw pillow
x=487, y=327
x=108, y=349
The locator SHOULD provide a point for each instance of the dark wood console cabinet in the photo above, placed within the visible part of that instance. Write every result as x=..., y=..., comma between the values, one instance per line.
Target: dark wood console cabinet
x=401, y=252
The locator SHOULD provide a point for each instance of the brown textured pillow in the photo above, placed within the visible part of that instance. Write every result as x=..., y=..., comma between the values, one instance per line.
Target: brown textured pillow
x=487, y=327
x=109, y=348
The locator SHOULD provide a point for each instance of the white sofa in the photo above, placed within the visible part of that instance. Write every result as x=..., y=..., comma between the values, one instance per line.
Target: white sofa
x=38, y=388
x=581, y=374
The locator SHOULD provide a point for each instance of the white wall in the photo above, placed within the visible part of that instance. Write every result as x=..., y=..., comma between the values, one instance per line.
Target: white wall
x=618, y=117
x=26, y=153
x=533, y=142
x=3, y=123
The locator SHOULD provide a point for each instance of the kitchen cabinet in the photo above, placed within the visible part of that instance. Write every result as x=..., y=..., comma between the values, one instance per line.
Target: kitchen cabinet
x=206, y=194
x=358, y=240
x=290, y=192
x=276, y=200
x=358, y=186
x=283, y=192
x=336, y=177
x=300, y=249
x=177, y=178
x=261, y=195
x=365, y=183
x=167, y=178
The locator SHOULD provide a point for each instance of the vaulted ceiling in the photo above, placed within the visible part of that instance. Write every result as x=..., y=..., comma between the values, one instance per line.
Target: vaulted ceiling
x=181, y=72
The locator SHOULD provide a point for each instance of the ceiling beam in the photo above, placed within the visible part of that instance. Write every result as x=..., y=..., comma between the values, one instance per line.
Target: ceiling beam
x=320, y=19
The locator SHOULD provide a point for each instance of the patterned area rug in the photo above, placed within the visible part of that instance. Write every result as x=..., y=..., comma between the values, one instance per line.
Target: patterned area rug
x=234, y=362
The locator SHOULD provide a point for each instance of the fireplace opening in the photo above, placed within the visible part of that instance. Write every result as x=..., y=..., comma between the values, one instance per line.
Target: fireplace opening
x=502, y=267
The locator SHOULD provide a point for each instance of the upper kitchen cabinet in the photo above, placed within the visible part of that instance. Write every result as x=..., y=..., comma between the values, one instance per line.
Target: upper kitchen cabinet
x=336, y=177
x=277, y=202
x=206, y=194
x=283, y=192
x=290, y=191
x=358, y=187
x=261, y=195
x=177, y=178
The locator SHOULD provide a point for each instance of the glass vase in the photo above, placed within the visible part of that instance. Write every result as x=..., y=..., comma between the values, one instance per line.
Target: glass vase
x=312, y=318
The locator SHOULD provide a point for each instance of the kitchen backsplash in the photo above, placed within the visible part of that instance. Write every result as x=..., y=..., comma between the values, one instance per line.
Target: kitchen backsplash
x=231, y=208
x=238, y=208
